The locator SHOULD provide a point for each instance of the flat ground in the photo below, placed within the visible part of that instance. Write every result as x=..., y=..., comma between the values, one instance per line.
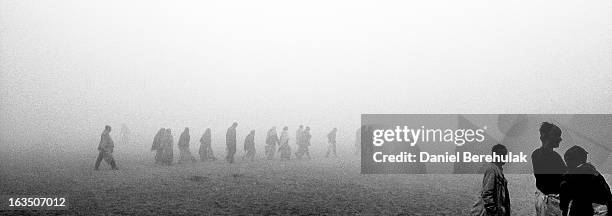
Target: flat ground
x=306, y=187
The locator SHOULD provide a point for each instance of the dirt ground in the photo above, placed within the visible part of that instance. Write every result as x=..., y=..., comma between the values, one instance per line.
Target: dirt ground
x=320, y=186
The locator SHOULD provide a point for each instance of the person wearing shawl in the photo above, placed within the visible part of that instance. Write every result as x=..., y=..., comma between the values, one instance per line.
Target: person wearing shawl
x=285, y=149
x=183, y=144
x=167, y=146
x=157, y=145
x=358, y=139
x=331, y=139
x=271, y=142
x=206, y=152
x=304, y=144
x=230, y=142
x=249, y=146
x=105, y=147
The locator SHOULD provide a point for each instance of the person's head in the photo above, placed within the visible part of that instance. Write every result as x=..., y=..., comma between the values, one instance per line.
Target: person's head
x=186, y=129
x=168, y=131
x=207, y=130
x=307, y=128
x=107, y=128
x=235, y=124
x=273, y=128
x=550, y=135
x=499, y=149
x=575, y=156
x=335, y=129
x=301, y=126
x=285, y=128
x=252, y=131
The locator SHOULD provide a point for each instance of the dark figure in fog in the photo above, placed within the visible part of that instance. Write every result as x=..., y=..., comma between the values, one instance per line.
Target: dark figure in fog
x=584, y=191
x=331, y=140
x=183, y=144
x=157, y=145
x=284, y=148
x=358, y=139
x=230, y=141
x=206, y=152
x=167, y=146
x=494, y=198
x=105, y=147
x=249, y=146
x=548, y=168
x=304, y=144
x=271, y=142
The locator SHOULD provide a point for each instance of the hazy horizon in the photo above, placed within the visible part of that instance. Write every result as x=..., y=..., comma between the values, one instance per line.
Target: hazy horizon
x=67, y=68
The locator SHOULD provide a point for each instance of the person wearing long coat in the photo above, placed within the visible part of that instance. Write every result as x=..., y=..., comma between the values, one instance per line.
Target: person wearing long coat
x=271, y=142
x=304, y=144
x=105, y=147
x=249, y=146
x=168, y=145
x=230, y=142
x=206, y=152
x=331, y=140
x=183, y=144
x=285, y=149
x=157, y=145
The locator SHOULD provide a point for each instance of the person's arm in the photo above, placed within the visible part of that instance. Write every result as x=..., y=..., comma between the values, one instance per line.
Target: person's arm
x=489, y=192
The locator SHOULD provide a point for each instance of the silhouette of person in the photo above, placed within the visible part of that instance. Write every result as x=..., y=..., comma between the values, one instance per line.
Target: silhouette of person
x=206, y=152
x=284, y=148
x=548, y=168
x=105, y=147
x=494, y=196
x=271, y=142
x=230, y=142
x=249, y=146
x=331, y=140
x=168, y=145
x=183, y=144
x=584, y=190
x=304, y=144
x=358, y=139
x=157, y=145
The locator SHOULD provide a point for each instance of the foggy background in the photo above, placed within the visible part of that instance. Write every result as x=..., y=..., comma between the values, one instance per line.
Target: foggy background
x=67, y=68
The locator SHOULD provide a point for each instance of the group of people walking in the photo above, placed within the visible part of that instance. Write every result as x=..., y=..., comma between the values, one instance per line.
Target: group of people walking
x=163, y=145
x=568, y=186
x=565, y=186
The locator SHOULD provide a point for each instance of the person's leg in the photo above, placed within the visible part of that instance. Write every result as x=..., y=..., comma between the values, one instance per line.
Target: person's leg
x=108, y=157
x=113, y=164
x=98, y=160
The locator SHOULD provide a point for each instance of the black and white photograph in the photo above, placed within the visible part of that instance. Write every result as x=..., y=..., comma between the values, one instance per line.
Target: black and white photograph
x=283, y=107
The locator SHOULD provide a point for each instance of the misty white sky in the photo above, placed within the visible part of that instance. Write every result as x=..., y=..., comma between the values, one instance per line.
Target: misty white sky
x=67, y=68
